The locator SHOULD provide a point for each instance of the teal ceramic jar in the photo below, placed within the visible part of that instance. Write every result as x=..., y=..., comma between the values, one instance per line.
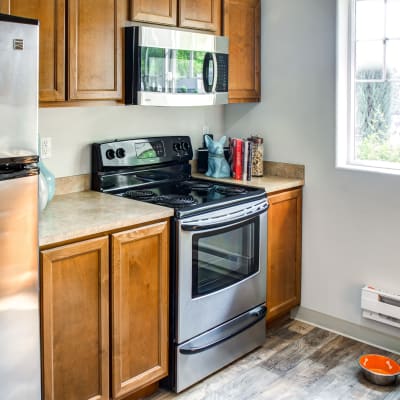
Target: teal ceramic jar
x=50, y=180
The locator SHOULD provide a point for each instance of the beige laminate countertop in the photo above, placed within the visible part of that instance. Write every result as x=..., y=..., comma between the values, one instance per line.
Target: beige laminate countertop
x=270, y=183
x=76, y=215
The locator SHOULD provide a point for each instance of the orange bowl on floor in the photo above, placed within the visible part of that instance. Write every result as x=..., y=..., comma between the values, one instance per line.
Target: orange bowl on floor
x=379, y=369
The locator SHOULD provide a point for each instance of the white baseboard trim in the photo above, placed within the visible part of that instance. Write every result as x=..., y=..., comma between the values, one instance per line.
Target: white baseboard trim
x=348, y=329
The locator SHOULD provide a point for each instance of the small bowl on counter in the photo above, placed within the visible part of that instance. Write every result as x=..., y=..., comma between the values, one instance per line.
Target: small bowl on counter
x=378, y=369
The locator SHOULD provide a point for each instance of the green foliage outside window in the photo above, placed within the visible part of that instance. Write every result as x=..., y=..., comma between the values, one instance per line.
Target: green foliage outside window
x=376, y=103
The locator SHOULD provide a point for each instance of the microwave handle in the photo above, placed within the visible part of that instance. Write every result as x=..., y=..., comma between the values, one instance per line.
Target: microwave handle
x=210, y=57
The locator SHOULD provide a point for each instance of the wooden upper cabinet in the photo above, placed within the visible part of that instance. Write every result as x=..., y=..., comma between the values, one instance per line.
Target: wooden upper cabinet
x=51, y=14
x=154, y=11
x=284, y=252
x=200, y=14
x=194, y=14
x=75, y=324
x=242, y=24
x=95, y=52
x=139, y=308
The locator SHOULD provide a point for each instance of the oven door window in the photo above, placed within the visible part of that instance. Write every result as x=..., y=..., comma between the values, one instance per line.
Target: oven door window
x=224, y=257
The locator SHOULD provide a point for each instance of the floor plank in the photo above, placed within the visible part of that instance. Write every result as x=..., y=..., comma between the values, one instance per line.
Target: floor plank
x=297, y=362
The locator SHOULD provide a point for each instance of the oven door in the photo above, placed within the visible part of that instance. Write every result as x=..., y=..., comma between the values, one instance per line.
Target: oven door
x=221, y=267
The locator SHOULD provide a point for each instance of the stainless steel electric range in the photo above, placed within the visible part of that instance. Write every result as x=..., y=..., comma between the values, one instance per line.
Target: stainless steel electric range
x=218, y=250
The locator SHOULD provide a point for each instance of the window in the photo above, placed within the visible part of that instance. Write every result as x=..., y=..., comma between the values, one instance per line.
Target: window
x=368, y=85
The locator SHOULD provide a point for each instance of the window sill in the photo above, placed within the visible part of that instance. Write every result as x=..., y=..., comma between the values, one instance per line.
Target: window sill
x=387, y=170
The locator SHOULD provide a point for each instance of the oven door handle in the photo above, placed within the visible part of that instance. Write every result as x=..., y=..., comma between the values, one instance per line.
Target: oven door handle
x=223, y=222
x=252, y=318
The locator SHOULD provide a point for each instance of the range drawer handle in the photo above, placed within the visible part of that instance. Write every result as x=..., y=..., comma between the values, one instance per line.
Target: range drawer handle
x=254, y=316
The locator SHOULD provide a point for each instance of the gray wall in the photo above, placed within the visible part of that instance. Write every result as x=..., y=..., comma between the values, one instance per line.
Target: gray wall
x=72, y=129
x=351, y=220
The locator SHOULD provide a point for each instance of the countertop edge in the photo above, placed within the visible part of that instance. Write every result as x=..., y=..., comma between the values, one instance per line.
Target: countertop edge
x=57, y=223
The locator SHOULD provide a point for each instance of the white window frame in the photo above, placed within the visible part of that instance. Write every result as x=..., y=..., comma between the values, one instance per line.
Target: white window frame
x=345, y=65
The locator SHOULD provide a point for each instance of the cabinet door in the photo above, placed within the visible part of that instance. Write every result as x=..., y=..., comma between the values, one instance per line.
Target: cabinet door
x=51, y=14
x=200, y=14
x=242, y=26
x=139, y=308
x=154, y=11
x=95, y=54
x=284, y=252
x=75, y=325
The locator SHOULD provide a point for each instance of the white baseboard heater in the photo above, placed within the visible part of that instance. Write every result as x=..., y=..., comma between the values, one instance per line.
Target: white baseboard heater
x=380, y=306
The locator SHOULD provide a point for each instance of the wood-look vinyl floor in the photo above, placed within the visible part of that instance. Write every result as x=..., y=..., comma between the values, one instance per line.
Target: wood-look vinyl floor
x=297, y=362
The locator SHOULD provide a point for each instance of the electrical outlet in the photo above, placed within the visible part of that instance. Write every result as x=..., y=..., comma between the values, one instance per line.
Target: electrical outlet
x=206, y=130
x=45, y=147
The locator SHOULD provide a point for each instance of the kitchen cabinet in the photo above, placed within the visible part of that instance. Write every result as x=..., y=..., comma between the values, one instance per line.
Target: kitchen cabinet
x=95, y=49
x=200, y=14
x=284, y=252
x=75, y=320
x=51, y=14
x=242, y=25
x=154, y=11
x=80, y=47
x=105, y=314
x=139, y=308
x=193, y=14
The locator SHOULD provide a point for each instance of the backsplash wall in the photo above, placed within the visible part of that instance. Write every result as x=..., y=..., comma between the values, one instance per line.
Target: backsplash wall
x=73, y=129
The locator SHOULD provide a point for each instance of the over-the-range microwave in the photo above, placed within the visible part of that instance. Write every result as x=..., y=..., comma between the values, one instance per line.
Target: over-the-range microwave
x=169, y=67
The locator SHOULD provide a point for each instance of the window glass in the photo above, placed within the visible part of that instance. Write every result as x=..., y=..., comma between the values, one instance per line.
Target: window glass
x=392, y=19
x=369, y=60
x=393, y=59
x=376, y=72
x=366, y=9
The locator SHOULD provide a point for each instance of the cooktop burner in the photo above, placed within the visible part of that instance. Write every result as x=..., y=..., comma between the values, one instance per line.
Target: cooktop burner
x=176, y=200
x=197, y=186
x=140, y=194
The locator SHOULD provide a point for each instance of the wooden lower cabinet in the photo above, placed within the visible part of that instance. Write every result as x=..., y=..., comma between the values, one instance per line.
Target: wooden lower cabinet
x=139, y=308
x=85, y=289
x=75, y=323
x=284, y=252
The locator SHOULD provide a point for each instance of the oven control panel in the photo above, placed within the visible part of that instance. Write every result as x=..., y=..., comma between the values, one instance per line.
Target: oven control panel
x=141, y=152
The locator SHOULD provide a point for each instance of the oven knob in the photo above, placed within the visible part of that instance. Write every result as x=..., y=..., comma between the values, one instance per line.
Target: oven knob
x=177, y=147
x=185, y=146
x=110, y=154
x=120, y=152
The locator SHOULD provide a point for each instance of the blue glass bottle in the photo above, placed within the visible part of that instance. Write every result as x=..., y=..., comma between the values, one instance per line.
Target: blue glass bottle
x=50, y=179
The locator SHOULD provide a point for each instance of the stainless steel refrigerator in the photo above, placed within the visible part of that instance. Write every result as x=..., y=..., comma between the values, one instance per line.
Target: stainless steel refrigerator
x=20, y=376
